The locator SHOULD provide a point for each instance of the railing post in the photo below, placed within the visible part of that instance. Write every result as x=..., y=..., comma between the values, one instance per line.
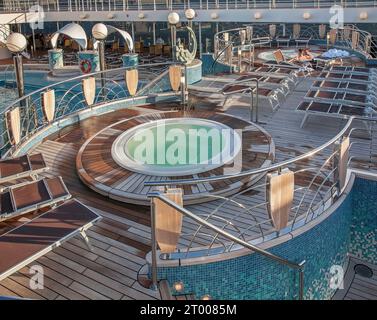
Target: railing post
x=251, y=103
x=154, y=245
x=257, y=101
x=239, y=54
x=301, y=281
x=183, y=86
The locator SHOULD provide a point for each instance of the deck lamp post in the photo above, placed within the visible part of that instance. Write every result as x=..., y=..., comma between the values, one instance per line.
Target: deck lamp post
x=190, y=15
x=173, y=19
x=16, y=43
x=100, y=32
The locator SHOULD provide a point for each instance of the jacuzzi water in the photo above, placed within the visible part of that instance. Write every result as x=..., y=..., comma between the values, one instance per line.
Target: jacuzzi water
x=288, y=54
x=178, y=146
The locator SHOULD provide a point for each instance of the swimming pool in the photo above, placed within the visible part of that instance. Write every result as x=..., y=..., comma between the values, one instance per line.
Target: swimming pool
x=288, y=54
x=351, y=228
x=33, y=80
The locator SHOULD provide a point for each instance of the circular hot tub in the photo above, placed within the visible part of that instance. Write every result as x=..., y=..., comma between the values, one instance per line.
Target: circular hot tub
x=119, y=159
x=176, y=147
x=287, y=53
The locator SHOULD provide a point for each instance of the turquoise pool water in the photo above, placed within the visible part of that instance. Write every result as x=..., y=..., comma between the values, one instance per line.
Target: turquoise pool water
x=34, y=80
x=176, y=146
x=351, y=228
x=191, y=144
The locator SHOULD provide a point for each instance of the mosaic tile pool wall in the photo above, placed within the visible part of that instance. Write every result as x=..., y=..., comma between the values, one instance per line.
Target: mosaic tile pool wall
x=364, y=220
x=255, y=277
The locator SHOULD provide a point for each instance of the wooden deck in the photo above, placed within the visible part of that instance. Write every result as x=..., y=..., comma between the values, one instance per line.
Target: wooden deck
x=356, y=286
x=100, y=172
x=122, y=239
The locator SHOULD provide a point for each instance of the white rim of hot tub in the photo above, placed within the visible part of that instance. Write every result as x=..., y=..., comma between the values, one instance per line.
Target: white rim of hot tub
x=120, y=156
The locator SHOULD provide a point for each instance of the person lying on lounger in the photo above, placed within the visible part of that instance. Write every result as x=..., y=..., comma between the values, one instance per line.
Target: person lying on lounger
x=304, y=55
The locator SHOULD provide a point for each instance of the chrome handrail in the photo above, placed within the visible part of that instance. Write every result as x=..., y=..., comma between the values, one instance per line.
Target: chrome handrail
x=32, y=120
x=56, y=84
x=258, y=170
x=203, y=222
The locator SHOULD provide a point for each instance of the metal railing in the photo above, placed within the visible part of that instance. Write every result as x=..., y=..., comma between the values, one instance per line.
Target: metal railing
x=296, y=266
x=234, y=42
x=123, y=5
x=69, y=98
x=316, y=188
x=318, y=167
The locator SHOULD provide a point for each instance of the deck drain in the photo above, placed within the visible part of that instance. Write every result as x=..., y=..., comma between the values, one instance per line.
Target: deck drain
x=363, y=271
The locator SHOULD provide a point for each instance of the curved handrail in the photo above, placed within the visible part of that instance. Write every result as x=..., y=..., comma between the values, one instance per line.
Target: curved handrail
x=56, y=84
x=203, y=222
x=258, y=170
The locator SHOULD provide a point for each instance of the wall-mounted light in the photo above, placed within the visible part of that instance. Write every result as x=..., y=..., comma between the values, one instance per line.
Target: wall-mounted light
x=141, y=15
x=178, y=286
x=206, y=297
x=306, y=15
x=214, y=15
x=83, y=16
x=363, y=15
x=111, y=15
x=257, y=15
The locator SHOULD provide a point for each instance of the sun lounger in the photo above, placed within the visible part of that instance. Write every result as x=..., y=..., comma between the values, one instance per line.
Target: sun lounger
x=350, y=98
x=275, y=70
x=21, y=167
x=331, y=109
x=35, y=238
x=348, y=86
x=350, y=69
x=30, y=196
x=285, y=84
x=345, y=76
x=272, y=95
x=283, y=40
x=280, y=61
x=302, y=42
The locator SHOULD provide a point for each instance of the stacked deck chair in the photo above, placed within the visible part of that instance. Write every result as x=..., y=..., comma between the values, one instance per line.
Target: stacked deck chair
x=27, y=197
x=340, y=98
x=64, y=219
x=270, y=81
x=22, y=167
x=366, y=99
x=271, y=95
x=368, y=88
x=277, y=71
x=351, y=69
x=35, y=238
x=355, y=76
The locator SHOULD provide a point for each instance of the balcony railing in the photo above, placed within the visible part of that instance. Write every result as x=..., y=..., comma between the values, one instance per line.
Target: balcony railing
x=125, y=5
x=70, y=97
